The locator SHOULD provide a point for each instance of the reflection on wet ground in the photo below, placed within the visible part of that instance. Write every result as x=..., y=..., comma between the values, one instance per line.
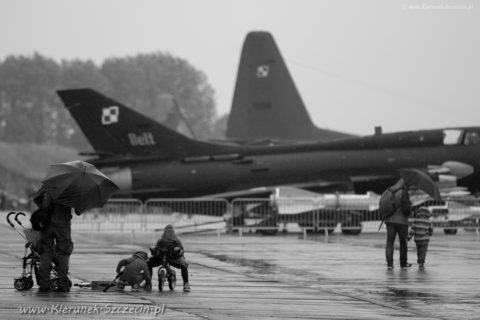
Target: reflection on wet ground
x=354, y=266
x=341, y=277
x=260, y=266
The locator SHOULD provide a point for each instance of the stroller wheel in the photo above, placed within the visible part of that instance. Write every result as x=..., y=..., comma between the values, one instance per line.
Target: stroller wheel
x=20, y=284
x=53, y=284
x=29, y=283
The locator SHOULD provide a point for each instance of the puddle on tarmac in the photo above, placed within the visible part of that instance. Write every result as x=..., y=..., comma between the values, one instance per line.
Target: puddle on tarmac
x=260, y=266
x=396, y=293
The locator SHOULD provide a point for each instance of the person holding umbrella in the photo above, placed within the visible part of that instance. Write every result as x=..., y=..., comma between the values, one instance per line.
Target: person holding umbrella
x=397, y=223
x=78, y=185
x=55, y=242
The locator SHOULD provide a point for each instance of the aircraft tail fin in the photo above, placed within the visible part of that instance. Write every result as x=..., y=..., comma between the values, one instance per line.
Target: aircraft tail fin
x=266, y=103
x=113, y=128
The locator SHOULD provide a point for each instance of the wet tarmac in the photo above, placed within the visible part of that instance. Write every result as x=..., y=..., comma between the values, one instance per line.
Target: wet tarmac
x=259, y=277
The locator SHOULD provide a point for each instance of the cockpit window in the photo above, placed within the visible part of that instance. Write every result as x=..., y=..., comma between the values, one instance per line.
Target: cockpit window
x=451, y=136
x=472, y=138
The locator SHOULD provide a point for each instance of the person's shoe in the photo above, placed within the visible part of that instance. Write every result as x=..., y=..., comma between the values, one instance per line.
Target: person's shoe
x=421, y=266
x=389, y=267
x=43, y=289
x=408, y=265
x=62, y=290
x=186, y=287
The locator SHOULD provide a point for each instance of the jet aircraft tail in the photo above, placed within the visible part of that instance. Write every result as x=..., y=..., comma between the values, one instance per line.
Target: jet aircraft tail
x=266, y=103
x=114, y=129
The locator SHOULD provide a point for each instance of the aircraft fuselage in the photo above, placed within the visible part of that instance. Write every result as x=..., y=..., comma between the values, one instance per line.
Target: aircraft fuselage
x=280, y=165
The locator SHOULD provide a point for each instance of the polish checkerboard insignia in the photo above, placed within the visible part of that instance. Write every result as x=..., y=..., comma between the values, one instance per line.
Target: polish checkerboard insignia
x=110, y=115
x=262, y=71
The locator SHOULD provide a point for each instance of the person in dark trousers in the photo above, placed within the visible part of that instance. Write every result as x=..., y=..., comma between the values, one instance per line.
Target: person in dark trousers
x=55, y=242
x=135, y=271
x=421, y=231
x=176, y=258
x=397, y=223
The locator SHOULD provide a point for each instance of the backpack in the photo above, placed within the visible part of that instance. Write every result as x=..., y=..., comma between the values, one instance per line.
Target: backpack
x=387, y=205
x=40, y=219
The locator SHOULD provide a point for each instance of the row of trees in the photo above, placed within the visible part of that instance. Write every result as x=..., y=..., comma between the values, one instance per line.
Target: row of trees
x=30, y=110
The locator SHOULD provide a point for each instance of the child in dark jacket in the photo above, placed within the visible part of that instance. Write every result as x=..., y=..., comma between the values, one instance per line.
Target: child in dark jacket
x=170, y=241
x=135, y=271
x=421, y=230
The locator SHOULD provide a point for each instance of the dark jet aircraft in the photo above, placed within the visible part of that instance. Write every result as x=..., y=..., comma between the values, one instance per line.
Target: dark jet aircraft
x=146, y=158
x=266, y=104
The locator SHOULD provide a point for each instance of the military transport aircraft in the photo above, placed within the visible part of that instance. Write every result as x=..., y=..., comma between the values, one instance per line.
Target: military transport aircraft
x=146, y=158
x=266, y=104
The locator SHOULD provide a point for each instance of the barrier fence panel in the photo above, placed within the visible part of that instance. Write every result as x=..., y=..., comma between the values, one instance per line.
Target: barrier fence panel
x=116, y=214
x=267, y=216
x=187, y=215
x=458, y=214
x=353, y=212
x=252, y=214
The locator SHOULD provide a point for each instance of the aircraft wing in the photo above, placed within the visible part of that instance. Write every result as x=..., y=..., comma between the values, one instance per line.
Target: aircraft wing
x=310, y=189
x=260, y=192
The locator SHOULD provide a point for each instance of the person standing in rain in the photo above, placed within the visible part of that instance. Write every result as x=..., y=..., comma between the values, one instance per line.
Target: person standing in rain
x=422, y=230
x=170, y=241
x=397, y=223
x=55, y=243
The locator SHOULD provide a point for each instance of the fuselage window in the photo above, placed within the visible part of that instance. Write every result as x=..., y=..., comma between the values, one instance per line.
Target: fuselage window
x=451, y=136
x=472, y=138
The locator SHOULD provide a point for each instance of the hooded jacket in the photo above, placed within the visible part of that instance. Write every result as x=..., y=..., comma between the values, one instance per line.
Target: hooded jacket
x=169, y=234
x=136, y=269
x=168, y=238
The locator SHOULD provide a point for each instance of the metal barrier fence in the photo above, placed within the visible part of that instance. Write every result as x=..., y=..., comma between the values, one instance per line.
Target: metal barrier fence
x=320, y=214
x=117, y=214
x=154, y=215
x=327, y=213
x=297, y=214
x=187, y=215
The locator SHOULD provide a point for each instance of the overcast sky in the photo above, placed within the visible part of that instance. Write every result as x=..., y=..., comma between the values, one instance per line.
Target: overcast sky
x=404, y=65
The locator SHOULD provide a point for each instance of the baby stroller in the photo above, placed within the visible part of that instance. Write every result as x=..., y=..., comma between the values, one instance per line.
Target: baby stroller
x=31, y=257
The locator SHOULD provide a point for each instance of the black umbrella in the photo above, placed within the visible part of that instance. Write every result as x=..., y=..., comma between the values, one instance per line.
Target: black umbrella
x=420, y=179
x=78, y=184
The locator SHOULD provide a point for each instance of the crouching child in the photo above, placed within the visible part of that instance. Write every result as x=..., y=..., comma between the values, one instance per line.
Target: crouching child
x=170, y=243
x=135, y=272
x=421, y=231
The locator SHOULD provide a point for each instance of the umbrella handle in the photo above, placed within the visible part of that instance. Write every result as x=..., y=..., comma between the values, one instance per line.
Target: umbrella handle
x=8, y=219
x=16, y=218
